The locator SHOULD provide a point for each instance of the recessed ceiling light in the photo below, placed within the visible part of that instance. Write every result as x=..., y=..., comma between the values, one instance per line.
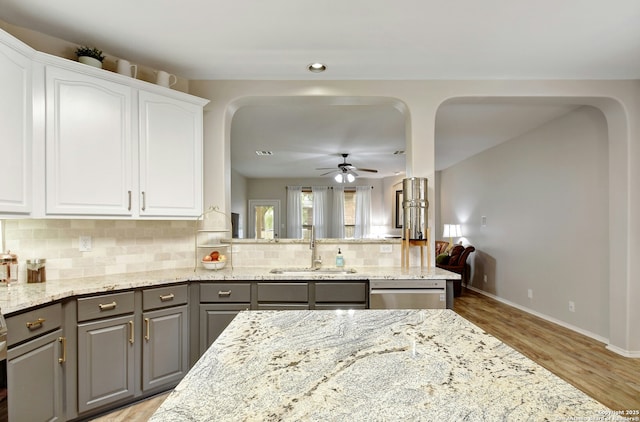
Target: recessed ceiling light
x=316, y=67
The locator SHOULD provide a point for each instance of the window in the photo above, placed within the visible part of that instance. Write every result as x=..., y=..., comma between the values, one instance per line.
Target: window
x=307, y=213
x=349, y=213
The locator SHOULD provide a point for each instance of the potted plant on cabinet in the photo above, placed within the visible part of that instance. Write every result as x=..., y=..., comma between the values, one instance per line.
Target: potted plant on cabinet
x=90, y=55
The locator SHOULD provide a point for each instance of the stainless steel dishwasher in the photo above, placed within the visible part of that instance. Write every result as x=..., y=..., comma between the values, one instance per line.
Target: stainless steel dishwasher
x=407, y=294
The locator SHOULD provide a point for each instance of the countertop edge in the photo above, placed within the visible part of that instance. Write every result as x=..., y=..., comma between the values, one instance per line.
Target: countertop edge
x=19, y=297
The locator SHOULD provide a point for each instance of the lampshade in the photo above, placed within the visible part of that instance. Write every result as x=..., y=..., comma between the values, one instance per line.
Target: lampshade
x=452, y=230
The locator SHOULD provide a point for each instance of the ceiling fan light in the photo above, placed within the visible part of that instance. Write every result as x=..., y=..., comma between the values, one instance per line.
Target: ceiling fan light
x=350, y=177
x=339, y=178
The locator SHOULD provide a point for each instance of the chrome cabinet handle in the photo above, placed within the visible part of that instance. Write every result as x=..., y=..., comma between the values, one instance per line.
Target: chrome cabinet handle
x=227, y=293
x=147, y=335
x=35, y=324
x=144, y=201
x=129, y=207
x=107, y=306
x=166, y=298
x=63, y=343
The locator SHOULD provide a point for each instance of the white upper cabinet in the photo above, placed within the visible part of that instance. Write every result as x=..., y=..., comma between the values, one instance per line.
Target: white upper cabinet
x=117, y=149
x=88, y=145
x=15, y=127
x=170, y=156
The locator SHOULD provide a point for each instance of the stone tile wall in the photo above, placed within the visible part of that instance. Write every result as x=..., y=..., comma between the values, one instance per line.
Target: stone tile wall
x=125, y=246
x=118, y=246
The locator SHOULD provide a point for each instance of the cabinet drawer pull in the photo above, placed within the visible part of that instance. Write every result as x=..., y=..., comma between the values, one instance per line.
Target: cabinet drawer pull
x=227, y=293
x=131, y=332
x=166, y=298
x=63, y=343
x=147, y=335
x=107, y=306
x=35, y=324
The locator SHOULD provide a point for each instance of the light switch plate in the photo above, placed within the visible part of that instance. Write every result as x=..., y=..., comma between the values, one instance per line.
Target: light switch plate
x=386, y=248
x=85, y=244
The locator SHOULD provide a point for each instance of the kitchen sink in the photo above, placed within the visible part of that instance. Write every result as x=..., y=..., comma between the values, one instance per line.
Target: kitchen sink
x=313, y=271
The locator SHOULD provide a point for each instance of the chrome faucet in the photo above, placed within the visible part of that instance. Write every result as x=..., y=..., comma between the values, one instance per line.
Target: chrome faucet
x=316, y=261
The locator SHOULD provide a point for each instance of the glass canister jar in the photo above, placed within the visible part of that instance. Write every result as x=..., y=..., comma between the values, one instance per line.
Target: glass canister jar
x=36, y=271
x=6, y=261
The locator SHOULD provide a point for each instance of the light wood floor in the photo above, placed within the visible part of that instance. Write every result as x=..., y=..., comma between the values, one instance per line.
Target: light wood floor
x=139, y=412
x=583, y=362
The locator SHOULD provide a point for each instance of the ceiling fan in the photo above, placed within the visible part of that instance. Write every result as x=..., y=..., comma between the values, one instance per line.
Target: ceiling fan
x=346, y=171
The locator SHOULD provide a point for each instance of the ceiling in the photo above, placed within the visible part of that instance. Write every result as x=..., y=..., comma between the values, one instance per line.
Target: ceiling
x=304, y=138
x=358, y=39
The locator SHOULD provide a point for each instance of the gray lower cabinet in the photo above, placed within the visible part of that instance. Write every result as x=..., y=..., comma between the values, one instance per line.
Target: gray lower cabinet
x=106, y=349
x=214, y=318
x=106, y=361
x=165, y=346
x=36, y=360
x=283, y=296
x=219, y=304
x=35, y=379
x=131, y=343
x=341, y=295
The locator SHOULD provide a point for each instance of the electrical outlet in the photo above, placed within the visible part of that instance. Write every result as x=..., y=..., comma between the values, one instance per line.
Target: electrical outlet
x=386, y=248
x=85, y=244
x=485, y=279
x=572, y=306
x=530, y=294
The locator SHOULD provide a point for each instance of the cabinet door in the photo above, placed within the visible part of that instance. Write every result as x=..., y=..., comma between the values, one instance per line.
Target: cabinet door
x=214, y=318
x=15, y=130
x=35, y=380
x=341, y=292
x=170, y=156
x=88, y=145
x=282, y=306
x=165, y=347
x=105, y=362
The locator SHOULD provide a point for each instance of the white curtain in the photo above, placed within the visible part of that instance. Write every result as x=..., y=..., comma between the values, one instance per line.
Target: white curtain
x=319, y=210
x=294, y=212
x=337, y=226
x=363, y=212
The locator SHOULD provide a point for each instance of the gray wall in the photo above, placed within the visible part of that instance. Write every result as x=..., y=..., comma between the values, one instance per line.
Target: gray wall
x=545, y=197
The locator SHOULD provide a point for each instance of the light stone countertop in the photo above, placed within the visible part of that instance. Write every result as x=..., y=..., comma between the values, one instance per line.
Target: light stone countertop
x=21, y=296
x=369, y=365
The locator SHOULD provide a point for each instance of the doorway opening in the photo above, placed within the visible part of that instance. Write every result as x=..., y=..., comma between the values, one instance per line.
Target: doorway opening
x=264, y=218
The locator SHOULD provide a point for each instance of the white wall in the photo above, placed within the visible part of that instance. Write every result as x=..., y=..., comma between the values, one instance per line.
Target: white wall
x=545, y=197
x=239, y=200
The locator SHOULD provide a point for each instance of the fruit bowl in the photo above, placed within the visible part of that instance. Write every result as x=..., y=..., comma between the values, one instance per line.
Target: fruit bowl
x=214, y=265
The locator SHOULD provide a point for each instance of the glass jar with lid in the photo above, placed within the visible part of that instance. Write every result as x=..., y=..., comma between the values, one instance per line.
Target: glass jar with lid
x=36, y=271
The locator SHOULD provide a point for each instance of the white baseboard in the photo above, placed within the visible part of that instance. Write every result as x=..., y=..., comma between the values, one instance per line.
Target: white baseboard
x=623, y=352
x=615, y=349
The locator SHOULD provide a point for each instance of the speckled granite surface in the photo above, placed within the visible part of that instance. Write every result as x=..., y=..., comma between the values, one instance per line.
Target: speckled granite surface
x=369, y=365
x=20, y=296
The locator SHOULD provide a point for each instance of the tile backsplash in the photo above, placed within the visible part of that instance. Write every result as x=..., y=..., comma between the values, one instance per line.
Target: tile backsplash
x=126, y=246
x=117, y=246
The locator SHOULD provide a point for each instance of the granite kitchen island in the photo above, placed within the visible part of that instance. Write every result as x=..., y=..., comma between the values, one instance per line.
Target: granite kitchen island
x=369, y=365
